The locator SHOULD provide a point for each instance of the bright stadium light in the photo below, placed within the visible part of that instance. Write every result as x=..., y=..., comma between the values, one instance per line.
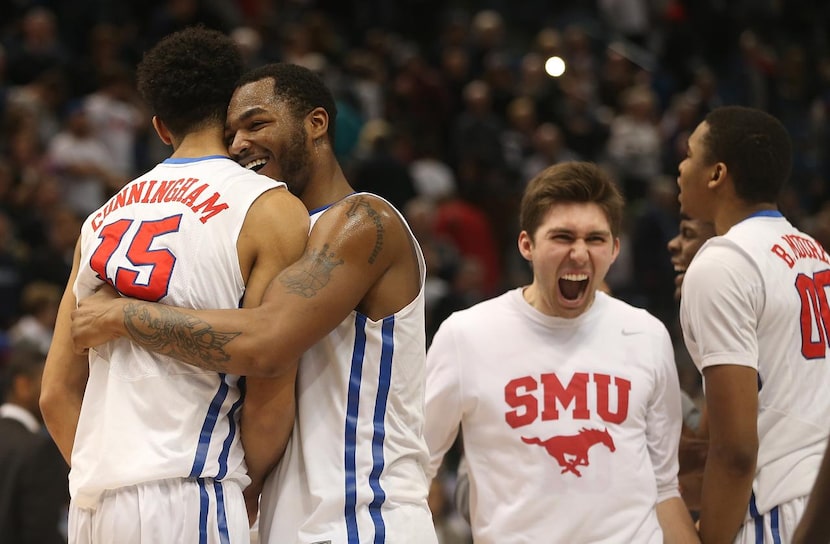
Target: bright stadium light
x=555, y=66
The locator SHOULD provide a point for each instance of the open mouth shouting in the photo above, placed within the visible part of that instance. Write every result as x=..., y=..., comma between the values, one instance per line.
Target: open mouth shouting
x=573, y=287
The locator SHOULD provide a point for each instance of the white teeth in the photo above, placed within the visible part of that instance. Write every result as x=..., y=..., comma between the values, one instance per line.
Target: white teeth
x=254, y=164
x=575, y=277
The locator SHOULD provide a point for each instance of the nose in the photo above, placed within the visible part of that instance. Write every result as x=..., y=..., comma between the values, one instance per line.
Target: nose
x=579, y=251
x=239, y=144
x=674, y=244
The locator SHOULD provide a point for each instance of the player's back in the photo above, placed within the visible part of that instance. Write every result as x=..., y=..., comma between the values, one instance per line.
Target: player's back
x=169, y=236
x=791, y=317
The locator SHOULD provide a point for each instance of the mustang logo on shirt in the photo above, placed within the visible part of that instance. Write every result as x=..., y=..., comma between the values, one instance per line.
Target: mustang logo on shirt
x=571, y=451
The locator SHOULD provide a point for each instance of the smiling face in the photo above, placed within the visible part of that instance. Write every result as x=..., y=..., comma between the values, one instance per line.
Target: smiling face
x=265, y=136
x=571, y=252
x=695, y=174
x=683, y=247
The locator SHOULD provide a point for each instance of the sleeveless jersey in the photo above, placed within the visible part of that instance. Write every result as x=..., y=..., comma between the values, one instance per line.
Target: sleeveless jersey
x=570, y=425
x=354, y=469
x=169, y=236
x=757, y=297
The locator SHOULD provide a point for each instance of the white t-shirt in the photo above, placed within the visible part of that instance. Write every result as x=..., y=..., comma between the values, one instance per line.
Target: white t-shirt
x=570, y=426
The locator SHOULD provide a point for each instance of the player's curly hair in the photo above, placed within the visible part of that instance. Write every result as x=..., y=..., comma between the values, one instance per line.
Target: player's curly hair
x=754, y=146
x=298, y=87
x=188, y=78
x=567, y=182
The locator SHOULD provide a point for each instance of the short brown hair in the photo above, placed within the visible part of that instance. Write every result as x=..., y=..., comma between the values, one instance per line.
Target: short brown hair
x=570, y=182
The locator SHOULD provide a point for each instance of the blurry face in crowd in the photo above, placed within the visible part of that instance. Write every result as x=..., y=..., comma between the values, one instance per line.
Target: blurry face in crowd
x=571, y=252
x=683, y=247
x=266, y=137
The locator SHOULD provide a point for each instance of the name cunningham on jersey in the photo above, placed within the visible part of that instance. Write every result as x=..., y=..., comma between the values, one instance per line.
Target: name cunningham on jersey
x=155, y=191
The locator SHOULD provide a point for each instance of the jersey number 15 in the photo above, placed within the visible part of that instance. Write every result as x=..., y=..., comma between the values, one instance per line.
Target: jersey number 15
x=161, y=261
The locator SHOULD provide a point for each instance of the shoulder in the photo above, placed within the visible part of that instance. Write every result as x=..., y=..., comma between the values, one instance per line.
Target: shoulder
x=276, y=208
x=628, y=314
x=632, y=318
x=488, y=314
x=275, y=227
x=365, y=223
x=15, y=434
x=359, y=207
x=729, y=257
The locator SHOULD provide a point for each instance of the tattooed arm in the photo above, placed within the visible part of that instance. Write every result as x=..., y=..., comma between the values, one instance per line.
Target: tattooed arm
x=359, y=256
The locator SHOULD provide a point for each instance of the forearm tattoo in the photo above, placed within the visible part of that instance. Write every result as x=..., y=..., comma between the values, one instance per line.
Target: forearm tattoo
x=365, y=204
x=165, y=330
x=311, y=273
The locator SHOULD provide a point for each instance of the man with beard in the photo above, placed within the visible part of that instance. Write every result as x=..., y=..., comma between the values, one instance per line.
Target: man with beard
x=352, y=307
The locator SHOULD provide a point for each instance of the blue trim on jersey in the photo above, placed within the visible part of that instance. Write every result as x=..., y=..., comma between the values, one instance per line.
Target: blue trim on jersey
x=759, y=520
x=329, y=205
x=773, y=525
x=384, y=382
x=763, y=213
x=352, y=409
x=189, y=160
x=204, y=503
x=207, y=428
x=221, y=516
x=226, y=445
x=320, y=209
x=766, y=213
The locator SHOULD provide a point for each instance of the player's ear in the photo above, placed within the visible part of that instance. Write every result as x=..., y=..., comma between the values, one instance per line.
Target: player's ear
x=317, y=123
x=526, y=245
x=718, y=174
x=162, y=131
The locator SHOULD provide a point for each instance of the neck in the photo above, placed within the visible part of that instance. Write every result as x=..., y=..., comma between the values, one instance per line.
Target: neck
x=201, y=143
x=732, y=215
x=327, y=185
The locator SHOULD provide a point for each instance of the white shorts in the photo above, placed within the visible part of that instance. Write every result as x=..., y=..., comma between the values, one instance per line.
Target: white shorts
x=775, y=527
x=174, y=511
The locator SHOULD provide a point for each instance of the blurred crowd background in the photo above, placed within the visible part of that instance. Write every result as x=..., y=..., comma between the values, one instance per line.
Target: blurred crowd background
x=445, y=108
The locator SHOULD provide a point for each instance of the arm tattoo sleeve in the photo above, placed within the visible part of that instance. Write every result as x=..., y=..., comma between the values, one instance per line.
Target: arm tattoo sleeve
x=165, y=330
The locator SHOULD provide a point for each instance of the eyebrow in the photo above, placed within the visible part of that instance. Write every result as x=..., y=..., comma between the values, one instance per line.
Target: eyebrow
x=247, y=114
x=570, y=231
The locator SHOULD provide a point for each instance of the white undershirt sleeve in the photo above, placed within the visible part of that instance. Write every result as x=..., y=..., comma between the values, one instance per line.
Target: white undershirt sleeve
x=442, y=395
x=663, y=422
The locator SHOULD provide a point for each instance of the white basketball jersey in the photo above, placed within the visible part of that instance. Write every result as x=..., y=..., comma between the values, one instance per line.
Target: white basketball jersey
x=570, y=426
x=757, y=297
x=354, y=468
x=169, y=236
